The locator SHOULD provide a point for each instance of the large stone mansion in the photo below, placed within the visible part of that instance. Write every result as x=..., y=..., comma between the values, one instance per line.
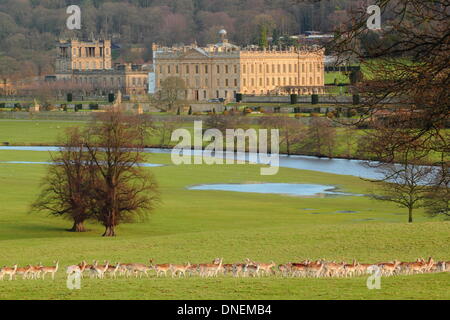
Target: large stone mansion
x=89, y=63
x=222, y=70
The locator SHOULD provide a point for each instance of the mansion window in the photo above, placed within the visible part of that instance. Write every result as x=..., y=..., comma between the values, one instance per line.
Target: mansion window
x=177, y=69
x=235, y=69
x=218, y=69
x=187, y=69
x=235, y=82
x=196, y=70
x=226, y=69
x=206, y=69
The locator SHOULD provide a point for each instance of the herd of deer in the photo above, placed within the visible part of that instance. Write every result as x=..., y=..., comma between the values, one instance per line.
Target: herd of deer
x=249, y=268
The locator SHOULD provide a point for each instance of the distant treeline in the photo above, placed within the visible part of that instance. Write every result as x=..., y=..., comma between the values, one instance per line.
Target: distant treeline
x=29, y=28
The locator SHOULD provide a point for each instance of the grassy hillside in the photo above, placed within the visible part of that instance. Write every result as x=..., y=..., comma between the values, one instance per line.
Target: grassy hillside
x=198, y=226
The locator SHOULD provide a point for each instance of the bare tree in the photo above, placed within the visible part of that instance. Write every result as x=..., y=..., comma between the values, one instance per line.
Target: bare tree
x=124, y=189
x=405, y=184
x=320, y=137
x=290, y=130
x=172, y=93
x=69, y=182
x=407, y=63
x=437, y=200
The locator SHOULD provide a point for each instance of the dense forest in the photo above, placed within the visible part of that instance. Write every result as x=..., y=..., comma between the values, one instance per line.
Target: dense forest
x=29, y=28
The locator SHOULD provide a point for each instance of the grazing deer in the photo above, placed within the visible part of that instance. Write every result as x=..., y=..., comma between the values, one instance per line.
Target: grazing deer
x=333, y=269
x=139, y=269
x=162, y=269
x=51, y=270
x=227, y=268
x=11, y=272
x=362, y=268
x=350, y=269
x=35, y=271
x=112, y=270
x=208, y=270
x=389, y=269
x=238, y=269
x=284, y=269
x=315, y=269
x=89, y=268
x=193, y=269
x=179, y=269
x=267, y=268
x=101, y=270
x=298, y=269
x=79, y=268
x=22, y=272
x=251, y=268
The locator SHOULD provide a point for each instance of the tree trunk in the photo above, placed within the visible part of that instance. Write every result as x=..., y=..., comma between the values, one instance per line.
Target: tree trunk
x=410, y=219
x=78, y=226
x=110, y=231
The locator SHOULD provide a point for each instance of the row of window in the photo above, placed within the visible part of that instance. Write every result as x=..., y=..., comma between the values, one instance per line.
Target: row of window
x=282, y=81
x=204, y=94
x=89, y=52
x=90, y=65
x=269, y=68
x=111, y=81
x=282, y=68
x=292, y=81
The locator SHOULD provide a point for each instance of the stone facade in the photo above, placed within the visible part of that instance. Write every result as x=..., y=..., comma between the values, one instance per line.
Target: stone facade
x=89, y=64
x=223, y=70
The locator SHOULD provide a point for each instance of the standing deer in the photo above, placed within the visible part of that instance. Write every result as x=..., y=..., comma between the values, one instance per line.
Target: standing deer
x=9, y=271
x=51, y=270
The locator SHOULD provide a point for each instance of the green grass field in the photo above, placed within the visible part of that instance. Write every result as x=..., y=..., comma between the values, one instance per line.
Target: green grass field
x=198, y=226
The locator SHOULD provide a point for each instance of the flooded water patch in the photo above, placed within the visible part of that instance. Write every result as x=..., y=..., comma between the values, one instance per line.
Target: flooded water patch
x=289, y=189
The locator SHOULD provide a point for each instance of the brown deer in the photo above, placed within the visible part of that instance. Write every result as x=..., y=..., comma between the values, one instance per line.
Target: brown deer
x=51, y=270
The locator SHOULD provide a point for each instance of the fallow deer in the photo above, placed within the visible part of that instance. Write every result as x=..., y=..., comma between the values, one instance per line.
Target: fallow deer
x=179, y=269
x=11, y=272
x=97, y=271
x=162, y=269
x=51, y=270
x=113, y=270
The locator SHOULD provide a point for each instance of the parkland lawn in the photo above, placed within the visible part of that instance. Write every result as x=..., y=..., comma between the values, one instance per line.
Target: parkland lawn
x=198, y=226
